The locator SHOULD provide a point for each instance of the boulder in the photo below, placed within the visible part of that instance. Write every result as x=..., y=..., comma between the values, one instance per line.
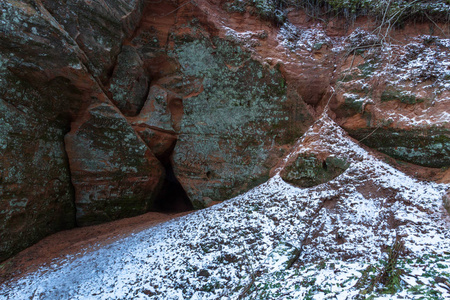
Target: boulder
x=228, y=131
x=114, y=173
x=307, y=170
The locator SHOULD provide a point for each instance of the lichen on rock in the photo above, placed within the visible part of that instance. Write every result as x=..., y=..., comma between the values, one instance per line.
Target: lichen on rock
x=428, y=147
x=34, y=169
x=129, y=82
x=114, y=173
x=309, y=170
x=228, y=130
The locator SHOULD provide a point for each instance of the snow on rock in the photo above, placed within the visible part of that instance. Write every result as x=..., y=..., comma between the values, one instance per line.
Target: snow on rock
x=427, y=58
x=298, y=39
x=343, y=227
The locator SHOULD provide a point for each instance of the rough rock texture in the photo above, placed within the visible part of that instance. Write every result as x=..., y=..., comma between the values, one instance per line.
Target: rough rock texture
x=129, y=82
x=228, y=130
x=228, y=134
x=36, y=196
x=423, y=146
x=157, y=121
x=396, y=99
x=308, y=170
x=114, y=173
x=98, y=28
x=49, y=72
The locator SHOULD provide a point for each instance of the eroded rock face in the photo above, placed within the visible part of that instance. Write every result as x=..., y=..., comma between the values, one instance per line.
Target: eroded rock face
x=114, y=173
x=129, y=82
x=228, y=130
x=98, y=28
x=225, y=129
x=426, y=147
x=397, y=101
x=48, y=75
x=36, y=196
x=228, y=113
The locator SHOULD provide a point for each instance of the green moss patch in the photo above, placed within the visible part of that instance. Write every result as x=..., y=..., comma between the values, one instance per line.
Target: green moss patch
x=231, y=126
x=428, y=147
x=402, y=96
x=309, y=171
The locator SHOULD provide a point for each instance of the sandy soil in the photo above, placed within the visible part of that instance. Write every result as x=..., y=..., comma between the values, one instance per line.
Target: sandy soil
x=77, y=241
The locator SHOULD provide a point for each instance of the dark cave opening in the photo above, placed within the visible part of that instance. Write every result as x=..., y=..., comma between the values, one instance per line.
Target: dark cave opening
x=172, y=198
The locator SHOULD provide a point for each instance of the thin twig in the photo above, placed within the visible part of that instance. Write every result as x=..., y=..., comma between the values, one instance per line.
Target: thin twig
x=178, y=8
x=435, y=24
x=370, y=133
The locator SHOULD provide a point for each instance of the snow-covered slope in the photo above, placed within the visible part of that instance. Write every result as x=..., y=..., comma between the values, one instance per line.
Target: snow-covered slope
x=343, y=228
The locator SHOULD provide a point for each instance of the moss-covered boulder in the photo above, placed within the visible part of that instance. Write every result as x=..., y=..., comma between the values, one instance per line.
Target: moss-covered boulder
x=428, y=147
x=308, y=170
x=229, y=130
x=114, y=173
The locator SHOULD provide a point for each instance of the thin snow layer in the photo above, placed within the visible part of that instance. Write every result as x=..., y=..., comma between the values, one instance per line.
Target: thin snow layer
x=342, y=227
x=297, y=39
x=247, y=38
x=420, y=63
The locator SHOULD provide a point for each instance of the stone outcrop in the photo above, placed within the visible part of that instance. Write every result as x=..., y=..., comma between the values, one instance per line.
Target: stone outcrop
x=98, y=28
x=229, y=113
x=36, y=98
x=397, y=101
x=53, y=59
x=114, y=173
x=228, y=131
x=36, y=195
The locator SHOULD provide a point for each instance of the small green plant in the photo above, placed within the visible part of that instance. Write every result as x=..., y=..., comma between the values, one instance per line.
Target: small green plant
x=322, y=265
x=211, y=286
x=388, y=276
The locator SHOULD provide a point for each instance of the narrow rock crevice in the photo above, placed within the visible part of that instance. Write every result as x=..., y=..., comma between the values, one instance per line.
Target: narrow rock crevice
x=72, y=189
x=172, y=197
